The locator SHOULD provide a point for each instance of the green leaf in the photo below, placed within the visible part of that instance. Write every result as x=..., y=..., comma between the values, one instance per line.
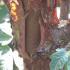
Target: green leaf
x=3, y=12
x=58, y=60
x=67, y=66
x=4, y=49
x=4, y=36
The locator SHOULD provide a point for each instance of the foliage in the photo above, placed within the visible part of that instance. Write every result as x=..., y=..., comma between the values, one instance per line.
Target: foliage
x=3, y=36
x=60, y=60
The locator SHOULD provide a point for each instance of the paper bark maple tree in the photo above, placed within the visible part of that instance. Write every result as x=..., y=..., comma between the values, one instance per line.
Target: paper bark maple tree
x=35, y=30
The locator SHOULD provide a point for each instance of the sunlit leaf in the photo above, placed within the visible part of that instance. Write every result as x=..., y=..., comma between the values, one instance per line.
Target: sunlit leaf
x=4, y=49
x=4, y=36
x=58, y=60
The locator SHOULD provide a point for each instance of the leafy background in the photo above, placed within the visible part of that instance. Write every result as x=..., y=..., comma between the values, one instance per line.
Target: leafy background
x=4, y=37
x=60, y=60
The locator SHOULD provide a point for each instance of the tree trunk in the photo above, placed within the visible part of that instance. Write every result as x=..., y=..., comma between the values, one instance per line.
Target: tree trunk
x=27, y=34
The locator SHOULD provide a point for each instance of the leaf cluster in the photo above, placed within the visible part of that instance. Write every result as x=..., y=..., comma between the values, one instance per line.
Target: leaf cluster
x=3, y=36
x=60, y=60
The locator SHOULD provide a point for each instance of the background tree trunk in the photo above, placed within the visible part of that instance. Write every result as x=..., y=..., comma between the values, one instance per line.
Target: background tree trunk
x=64, y=9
